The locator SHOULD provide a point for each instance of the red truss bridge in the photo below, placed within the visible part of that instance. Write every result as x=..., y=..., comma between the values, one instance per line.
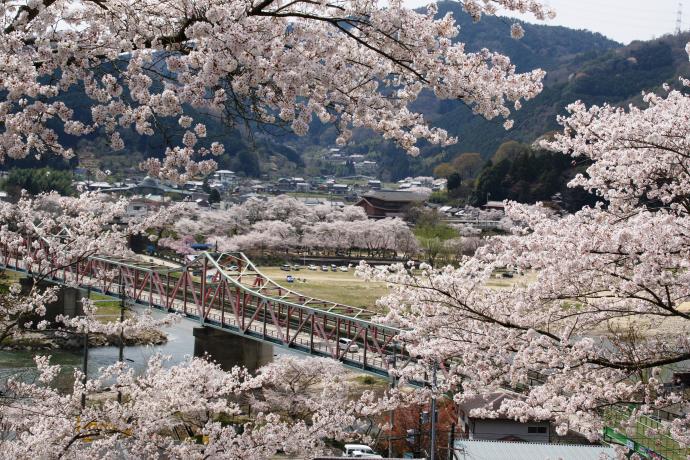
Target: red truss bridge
x=227, y=291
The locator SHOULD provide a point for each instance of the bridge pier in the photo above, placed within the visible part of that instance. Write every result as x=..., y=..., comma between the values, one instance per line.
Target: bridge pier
x=230, y=350
x=68, y=301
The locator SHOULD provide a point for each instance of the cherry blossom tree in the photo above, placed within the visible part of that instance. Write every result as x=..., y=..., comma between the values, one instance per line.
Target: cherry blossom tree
x=297, y=388
x=49, y=233
x=284, y=223
x=351, y=63
x=600, y=314
x=190, y=398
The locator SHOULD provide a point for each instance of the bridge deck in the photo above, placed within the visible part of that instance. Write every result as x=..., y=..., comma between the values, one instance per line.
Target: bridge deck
x=228, y=292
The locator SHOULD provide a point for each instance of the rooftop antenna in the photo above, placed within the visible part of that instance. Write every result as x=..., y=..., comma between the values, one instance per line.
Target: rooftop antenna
x=679, y=17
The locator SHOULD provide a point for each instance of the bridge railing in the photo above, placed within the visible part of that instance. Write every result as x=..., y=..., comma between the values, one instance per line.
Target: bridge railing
x=245, y=302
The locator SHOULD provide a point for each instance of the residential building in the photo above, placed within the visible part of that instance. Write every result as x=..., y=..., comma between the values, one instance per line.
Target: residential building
x=339, y=189
x=498, y=429
x=302, y=187
x=483, y=428
x=495, y=205
x=374, y=184
x=466, y=449
x=224, y=175
x=141, y=206
x=102, y=186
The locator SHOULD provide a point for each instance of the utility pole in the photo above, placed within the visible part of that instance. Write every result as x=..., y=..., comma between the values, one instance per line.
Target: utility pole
x=85, y=361
x=679, y=18
x=433, y=413
x=121, y=350
x=451, y=442
x=391, y=419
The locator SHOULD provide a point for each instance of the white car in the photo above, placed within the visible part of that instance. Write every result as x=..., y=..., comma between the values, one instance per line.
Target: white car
x=359, y=451
x=343, y=344
x=313, y=267
x=343, y=268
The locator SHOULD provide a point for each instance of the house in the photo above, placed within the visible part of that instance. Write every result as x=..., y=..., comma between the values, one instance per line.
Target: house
x=151, y=186
x=466, y=449
x=374, y=184
x=141, y=206
x=193, y=185
x=98, y=186
x=389, y=203
x=284, y=185
x=224, y=175
x=339, y=189
x=481, y=428
x=497, y=429
x=439, y=184
x=302, y=187
x=494, y=205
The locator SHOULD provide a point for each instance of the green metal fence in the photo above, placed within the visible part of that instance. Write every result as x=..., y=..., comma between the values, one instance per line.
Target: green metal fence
x=648, y=437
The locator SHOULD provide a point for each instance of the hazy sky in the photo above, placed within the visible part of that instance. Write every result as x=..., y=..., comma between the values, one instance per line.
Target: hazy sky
x=621, y=20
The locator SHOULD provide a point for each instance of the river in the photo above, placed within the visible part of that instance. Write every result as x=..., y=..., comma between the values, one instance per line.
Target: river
x=179, y=346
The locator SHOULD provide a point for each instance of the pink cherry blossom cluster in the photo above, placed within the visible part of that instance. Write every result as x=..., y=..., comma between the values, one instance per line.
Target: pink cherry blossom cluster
x=300, y=403
x=353, y=63
x=283, y=222
x=596, y=313
x=49, y=233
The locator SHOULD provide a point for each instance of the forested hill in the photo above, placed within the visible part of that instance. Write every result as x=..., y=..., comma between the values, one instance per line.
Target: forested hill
x=617, y=76
x=545, y=47
x=580, y=65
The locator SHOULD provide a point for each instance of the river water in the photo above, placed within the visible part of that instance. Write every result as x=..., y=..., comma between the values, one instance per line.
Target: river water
x=179, y=346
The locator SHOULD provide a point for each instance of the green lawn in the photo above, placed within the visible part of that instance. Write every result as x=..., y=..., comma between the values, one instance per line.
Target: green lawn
x=8, y=278
x=341, y=287
x=108, y=308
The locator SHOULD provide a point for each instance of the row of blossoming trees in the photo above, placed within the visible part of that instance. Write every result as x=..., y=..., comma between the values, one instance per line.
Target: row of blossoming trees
x=184, y=410
x=284, y=224
x=606, y=313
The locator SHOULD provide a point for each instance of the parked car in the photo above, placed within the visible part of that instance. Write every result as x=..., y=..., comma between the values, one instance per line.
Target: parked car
x=343, y=344
x=343, y=268
x=285, y=267
x=359, y=451
x=324, y=268
x=296, y=267
x=334, y=267
x=313, y=267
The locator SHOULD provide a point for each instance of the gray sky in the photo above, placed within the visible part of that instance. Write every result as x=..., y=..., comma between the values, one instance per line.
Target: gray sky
x=621, y=20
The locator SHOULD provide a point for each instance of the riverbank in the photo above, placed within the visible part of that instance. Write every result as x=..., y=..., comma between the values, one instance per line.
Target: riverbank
x=59, y=340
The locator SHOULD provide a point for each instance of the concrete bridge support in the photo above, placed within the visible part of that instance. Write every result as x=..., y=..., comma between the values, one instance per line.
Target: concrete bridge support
x=231, y=350
x=68, y=301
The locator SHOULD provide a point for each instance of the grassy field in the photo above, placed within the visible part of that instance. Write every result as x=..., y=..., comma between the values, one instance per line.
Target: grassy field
x=498, y=282
x=9, y=278
x=345, y=288
x=341, y=287
x=108, y=308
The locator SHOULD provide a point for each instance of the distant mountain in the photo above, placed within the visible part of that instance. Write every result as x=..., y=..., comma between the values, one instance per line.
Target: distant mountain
x=580, y=66
x=545, y=47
